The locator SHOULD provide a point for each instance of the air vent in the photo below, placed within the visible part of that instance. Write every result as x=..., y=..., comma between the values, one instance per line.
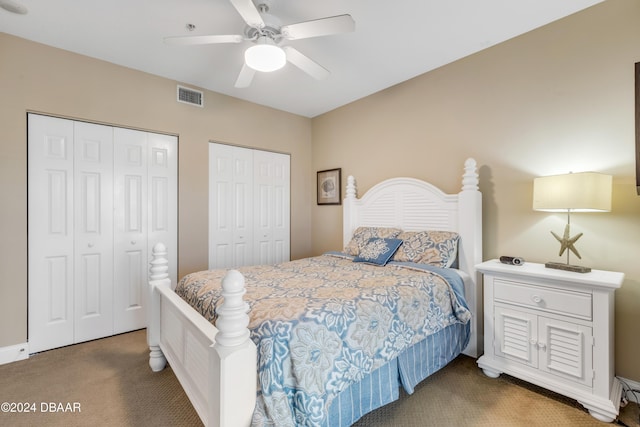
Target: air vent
x=190, y=96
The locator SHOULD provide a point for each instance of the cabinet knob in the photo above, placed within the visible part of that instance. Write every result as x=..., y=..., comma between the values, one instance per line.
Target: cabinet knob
x=542, y=346
x=533, y=341
x=90, y=245
x=536, y=298
x=133, y=242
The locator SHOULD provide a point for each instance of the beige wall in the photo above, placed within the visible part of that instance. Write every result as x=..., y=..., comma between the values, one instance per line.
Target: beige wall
x=34, y=77
x=555, y=100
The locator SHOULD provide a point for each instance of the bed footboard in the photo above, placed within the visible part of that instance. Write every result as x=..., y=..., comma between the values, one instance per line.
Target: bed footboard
x=215, y=366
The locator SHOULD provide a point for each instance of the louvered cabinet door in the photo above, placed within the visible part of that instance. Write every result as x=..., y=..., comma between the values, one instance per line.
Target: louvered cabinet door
x=566, y=350
x=554, y=346
x=516, y=335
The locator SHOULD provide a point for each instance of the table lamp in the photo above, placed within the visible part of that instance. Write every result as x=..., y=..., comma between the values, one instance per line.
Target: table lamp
x=573, y=192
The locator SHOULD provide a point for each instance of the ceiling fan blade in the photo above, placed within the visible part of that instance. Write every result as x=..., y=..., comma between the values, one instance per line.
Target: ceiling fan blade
x=319, y=27
x=305, y=63
x=245, y=77
x=249, y=13
x=193, y=40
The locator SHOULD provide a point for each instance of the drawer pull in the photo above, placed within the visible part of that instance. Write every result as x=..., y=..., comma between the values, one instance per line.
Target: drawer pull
x=537, y=299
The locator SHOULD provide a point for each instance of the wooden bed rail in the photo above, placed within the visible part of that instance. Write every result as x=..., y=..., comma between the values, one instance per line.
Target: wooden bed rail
x=176, y=333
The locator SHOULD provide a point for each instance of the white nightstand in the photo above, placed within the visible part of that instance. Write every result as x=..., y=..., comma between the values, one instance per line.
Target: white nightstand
x=553, y=328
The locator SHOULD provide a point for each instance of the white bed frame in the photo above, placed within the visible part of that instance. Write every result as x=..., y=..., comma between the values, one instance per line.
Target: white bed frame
x=217, y=365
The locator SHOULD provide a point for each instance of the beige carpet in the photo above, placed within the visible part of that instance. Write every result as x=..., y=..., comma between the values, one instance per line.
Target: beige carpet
x=110, y=381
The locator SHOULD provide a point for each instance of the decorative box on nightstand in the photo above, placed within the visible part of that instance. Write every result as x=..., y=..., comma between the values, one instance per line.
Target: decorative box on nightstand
x=553, y=328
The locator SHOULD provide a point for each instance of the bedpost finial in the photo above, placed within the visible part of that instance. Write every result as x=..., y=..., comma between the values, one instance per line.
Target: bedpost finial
x=159, y=263
x=232, y=314
x=351, y=192
x=470, y=176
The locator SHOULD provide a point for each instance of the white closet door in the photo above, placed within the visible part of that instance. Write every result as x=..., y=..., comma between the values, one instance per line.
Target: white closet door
x=163, y=199
x=93, y=243
x=99, y=197
x=50, y=216
x=271, y=207
x=230, y=206
x=130, y=224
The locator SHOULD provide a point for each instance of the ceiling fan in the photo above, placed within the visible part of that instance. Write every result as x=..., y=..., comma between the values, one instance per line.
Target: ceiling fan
x=266, y=33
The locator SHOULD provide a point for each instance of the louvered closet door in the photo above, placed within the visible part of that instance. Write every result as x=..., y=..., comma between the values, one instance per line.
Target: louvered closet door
x=51, y=237
x=271, y=207
x=93, y=218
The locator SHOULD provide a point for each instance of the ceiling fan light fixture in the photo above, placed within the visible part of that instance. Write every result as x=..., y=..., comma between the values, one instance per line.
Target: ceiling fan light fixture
x=265, y=55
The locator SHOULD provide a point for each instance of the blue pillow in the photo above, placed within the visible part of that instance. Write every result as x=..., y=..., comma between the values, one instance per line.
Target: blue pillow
x=378, y=250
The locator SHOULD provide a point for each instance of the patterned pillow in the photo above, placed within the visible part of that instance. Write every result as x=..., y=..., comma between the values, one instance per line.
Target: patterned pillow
x=438, y=248
x=362, y=235
x=378, y=251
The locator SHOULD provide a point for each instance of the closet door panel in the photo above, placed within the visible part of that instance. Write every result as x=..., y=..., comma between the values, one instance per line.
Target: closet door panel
x=50, y=234
x=281, y=185
x=263, y=246
x=93, y=231
x=130, y=229
x=272, y=215
x=241, y=199
x=230, y=206
x=163, y=197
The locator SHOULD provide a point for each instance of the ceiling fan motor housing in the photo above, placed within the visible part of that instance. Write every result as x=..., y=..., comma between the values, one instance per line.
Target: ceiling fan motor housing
x=271, y=27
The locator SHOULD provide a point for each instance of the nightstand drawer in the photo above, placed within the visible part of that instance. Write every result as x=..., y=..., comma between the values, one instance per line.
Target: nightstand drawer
x=576, y=304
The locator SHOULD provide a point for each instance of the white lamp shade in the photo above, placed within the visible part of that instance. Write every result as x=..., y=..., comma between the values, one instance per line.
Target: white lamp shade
x=577, y=192
x=265, y=56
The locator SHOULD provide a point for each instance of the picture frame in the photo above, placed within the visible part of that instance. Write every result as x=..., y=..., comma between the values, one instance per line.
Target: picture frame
x=329, y=187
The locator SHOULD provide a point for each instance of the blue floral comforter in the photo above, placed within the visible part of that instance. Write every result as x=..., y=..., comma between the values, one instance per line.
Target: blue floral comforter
x=321, y=324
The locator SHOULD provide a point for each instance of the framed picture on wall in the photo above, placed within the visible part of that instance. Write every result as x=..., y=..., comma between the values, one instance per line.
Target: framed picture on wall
x=329, y=187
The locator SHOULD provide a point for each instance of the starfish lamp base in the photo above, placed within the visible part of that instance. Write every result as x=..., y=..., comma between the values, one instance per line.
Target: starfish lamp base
x=568, y=267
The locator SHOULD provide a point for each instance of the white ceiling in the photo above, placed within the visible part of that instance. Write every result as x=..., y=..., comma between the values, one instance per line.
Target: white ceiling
x=394, y=40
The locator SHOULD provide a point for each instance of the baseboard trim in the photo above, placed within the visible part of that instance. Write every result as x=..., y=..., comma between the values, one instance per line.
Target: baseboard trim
x=630, y=384
x=13, y=353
